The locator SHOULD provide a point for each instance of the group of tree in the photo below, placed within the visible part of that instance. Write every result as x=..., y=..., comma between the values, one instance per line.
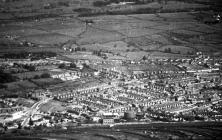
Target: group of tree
x=21, y=55
x=190, y=53
x=79, y=49
x=72, y=65
x=29, y=67
x=3, y=86
x=82, y=10
x=63, y=3
x=167, y=50
x=44, y=75
x=85, y=66
x=117, y=10
x=62, y=66
x=144, y=58
x=100, y=54
x=7, y=78
x=100, y=3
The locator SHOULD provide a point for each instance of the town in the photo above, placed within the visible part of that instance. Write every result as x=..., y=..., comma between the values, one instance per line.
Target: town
x=107, y=92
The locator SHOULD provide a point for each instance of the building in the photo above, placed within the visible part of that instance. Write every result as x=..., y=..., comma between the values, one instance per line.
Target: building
x=107, y=120
x=10, y=110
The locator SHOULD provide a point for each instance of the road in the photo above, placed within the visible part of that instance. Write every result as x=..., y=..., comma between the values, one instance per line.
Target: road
x=33, y=110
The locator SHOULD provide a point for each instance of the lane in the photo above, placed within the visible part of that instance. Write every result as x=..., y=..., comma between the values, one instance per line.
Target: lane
x=33, y=110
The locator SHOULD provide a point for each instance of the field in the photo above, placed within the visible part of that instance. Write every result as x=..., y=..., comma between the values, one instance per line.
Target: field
x=178, y=49
x=20, y=85
x=123, y=34
x=52, y=106
x=113, y=46
x=52, y=38
x=23, y=32
x=27, y=75
x=154, y=32
x=25, y=102
x=96, y=35
x=43, y=82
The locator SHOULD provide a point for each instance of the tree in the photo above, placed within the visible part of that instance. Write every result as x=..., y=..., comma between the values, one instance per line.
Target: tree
x=77, y=49
x=31, y=123
x=100, y=3
x=83, y=49
x=188, y=53
x=45, y=75
x=72, y=65
x=6, y=78
x=29, y=67
x=19, y=126
x=36, y=77
x=5, y=127
x=3, y=86
x=62, y=66
x=85, y=65
x=66, y=3
x=167, y=50
x=144, y=58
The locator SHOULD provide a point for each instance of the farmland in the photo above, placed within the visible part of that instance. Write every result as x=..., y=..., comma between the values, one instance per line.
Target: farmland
x=125, y=34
